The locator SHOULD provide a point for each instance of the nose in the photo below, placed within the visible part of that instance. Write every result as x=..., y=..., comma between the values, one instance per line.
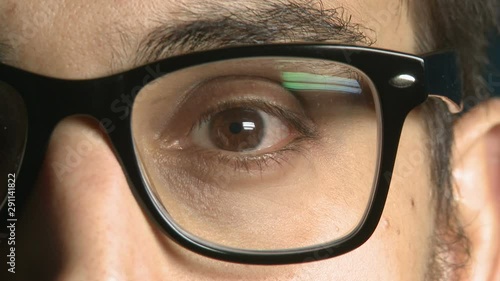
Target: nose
x=82, y=221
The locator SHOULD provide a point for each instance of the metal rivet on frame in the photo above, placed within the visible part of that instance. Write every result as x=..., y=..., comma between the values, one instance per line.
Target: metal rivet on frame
x=403, y=81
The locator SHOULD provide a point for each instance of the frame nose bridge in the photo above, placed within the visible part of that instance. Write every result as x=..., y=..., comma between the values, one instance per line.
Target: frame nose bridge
x=66, y=98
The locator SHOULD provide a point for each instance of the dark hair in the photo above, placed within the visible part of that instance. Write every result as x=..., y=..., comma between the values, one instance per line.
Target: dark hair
x=463, y=26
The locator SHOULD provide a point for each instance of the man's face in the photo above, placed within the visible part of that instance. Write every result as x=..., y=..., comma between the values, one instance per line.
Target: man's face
x=86, y=224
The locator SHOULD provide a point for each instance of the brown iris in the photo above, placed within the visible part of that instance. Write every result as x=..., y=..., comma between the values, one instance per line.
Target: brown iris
x=236, y=129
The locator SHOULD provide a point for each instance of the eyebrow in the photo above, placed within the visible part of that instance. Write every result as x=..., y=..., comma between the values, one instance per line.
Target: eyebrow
x=210, y=26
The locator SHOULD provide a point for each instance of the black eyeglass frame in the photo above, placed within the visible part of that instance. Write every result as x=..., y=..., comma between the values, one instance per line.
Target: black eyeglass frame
x=48, y=100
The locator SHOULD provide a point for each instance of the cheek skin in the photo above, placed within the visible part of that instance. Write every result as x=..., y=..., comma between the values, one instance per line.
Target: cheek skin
x=409, y=215
x=78, y=216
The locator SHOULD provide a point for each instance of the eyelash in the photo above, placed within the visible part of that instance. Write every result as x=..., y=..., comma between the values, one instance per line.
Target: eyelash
x=304, y=127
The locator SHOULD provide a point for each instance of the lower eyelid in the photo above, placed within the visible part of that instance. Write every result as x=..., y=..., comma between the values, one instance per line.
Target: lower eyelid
x=201, y=159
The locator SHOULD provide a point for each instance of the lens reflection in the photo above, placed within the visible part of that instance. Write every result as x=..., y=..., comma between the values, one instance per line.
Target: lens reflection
x=13, y=132
x=267, y=153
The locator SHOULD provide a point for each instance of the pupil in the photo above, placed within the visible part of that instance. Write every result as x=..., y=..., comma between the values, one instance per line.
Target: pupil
x=236, y=129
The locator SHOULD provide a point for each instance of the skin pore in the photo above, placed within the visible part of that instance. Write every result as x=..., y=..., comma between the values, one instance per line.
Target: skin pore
x=86, y=225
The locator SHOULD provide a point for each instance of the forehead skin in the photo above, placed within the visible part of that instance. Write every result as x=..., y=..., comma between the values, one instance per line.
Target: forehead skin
x=80, y=39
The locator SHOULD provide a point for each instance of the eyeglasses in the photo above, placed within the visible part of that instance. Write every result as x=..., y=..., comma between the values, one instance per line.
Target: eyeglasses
x=268, y=154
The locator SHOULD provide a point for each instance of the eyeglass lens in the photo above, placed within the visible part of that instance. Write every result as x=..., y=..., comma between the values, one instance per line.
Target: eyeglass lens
x=267, y=153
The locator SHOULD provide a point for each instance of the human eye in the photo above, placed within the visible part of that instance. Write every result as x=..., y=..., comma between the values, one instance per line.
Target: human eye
x=247, y=122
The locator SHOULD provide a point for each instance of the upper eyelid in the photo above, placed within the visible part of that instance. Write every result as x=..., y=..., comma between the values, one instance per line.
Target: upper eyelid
x=244, y=103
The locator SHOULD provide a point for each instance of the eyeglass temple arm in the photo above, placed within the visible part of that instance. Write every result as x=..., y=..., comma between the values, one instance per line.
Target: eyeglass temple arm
x=443, y=79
